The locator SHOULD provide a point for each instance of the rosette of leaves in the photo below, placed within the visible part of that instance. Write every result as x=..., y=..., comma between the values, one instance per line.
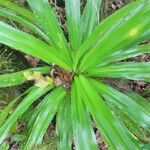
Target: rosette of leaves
x=92, y=51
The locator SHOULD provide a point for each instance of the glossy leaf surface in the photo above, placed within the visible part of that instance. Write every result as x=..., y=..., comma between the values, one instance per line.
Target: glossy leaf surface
x=136, y=112
x=19, y=10
x=74, y=23
x=22, y=42
x=22, y=107
x=112, y=129
x=129, y=70
x=90, y=17
x=51, y=26
x=4, y=113
x=140, y=100
x=64, y=125
x=110, y=36
x=135, y=128
x=52, y=102
x=123, y=54
x=89, y=50
x=82, y=129
x=23, y=21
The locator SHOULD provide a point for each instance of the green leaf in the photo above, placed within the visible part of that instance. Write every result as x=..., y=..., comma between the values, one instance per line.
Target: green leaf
x=64, y=125
x=19, y=10
x=22, y=107
x=51, y=26
x=90, y=17
x=140, y=100
x=146, y=147
x=115, y=133
x=74, y=23
x=123, y=54
x=82, y=125
x=129, y=123
x=45, y=116
x=35, y=112
x=29, y=45
x=6, y=111
x=127, y=29
x=4, y=146
x=17, y=78
x=129, y=70
x=114, y=21
x=23, y=21
x=18, y=137
x=136, y=112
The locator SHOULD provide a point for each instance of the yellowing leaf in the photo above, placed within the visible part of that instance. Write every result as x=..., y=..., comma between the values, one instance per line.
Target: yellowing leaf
x=28, y=75
x=40, y=80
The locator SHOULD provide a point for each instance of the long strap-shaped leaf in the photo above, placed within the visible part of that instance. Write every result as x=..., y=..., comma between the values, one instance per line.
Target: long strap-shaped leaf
x=145, y=147
x=73, y=23
x=82, y=125
x=127, y=31
x=64, y=125
x=129, y=70
x=134, y=127
x=140, y=100
x=19, y=10
x=23, y=21
x=112, y=22
x=50, y=25
x=17, y=78
x=52, y=102
x=113, y=130
x=29, y=44
x=22, y=107
x=105, y=28
x=35, y=113
x=128, y=34
x=90, y=17
x=6, y=111
x=136, y=112
x=123, y=54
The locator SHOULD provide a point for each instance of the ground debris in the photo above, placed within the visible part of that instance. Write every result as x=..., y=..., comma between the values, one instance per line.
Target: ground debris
x=101, y=143
x=111, y=6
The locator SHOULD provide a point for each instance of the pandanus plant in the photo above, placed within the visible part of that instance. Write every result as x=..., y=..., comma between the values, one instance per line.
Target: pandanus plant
x=84, y=58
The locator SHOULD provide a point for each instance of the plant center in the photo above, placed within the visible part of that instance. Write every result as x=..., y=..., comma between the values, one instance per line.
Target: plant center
x=61, y=76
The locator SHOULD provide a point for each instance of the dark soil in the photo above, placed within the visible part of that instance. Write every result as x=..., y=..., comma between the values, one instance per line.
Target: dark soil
x=110, y=6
